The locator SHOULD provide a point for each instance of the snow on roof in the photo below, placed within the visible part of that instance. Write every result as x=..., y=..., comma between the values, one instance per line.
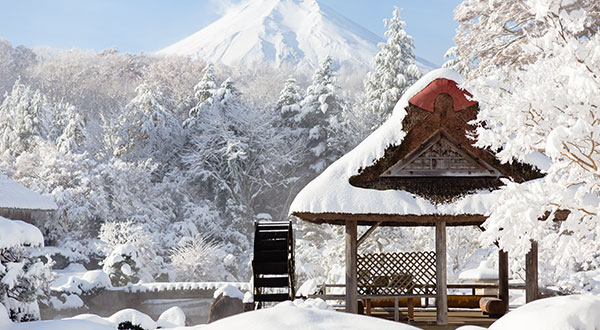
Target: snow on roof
x=331, y=191
x=15, y=196
x=18, y=233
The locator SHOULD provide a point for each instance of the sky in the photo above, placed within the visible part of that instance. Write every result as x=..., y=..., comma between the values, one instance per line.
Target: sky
x=150, y=25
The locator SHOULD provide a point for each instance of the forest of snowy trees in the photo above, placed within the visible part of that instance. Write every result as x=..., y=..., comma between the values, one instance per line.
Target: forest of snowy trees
x=169, y=160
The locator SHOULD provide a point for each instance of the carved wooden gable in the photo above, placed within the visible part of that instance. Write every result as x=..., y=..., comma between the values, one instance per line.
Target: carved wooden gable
x=440, y=157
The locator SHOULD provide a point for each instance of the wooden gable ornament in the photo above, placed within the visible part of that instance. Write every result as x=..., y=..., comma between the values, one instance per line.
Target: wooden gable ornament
x=437, y=159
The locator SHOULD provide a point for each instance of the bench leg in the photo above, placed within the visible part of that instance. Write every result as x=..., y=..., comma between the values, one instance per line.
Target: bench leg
x=411, y=309
x=396, y=311
x=368, y=305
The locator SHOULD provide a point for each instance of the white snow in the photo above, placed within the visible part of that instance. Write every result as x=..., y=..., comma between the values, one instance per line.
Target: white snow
x=18, y=233
x=577, y=312
x=172, y=317
x=15, y=196
x=76, y=279
x=4, y=320
x=307, y=288
x=317, y=303
x=133, y=316
x=229, y=290
x=298, y=33
x=485, y=271
x=66, y=301
x=331, y=192
x=170, y=286
x=61, y=325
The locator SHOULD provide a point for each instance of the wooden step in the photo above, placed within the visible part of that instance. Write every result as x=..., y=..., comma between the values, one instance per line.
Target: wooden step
x=271, y=234
x=262, y=245
x=273, y=227
x=271, y=282
x=267, y=268
x=271, y=297
x=271, y=255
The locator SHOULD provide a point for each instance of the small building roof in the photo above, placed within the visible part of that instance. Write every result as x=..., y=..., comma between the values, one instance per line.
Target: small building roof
x=351, y=188
x=15, y=196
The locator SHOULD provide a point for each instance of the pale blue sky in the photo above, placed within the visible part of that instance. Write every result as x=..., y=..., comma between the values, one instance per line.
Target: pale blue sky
x=149, y=25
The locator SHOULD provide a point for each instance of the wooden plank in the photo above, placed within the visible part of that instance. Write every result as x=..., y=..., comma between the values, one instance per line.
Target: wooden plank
x=531, y=273
x=271, y=256
x=368, y=233
x=272, y=282
x=351, y=278
x=503, y=278
x=441, y=301
x=276, y=268
x=271, y=297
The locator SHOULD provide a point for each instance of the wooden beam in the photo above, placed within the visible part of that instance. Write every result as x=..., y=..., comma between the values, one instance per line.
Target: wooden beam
x=531, y=273
x=368, y=233
x=503, y=278
x=441, y=301
x=351, y=278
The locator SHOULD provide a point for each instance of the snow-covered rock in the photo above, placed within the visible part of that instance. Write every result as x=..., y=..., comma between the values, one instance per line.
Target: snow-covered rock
x=66, y=301
x=18, y=233
x=229, y=290
x=133, y=316
x=299, y=33
x=76, y=279
x=172, y=317
x=577, y=312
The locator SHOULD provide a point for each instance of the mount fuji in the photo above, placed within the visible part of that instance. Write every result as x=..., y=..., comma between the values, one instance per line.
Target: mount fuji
x=296, y=33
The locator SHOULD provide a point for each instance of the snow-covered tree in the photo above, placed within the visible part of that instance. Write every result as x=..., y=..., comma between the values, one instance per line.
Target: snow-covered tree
x=320, y=117
x=200, y=260
x=148, y=129
x=538, y=93
x=394, y=71
x=23, y=120
x=203, y=92
x=494, y=33
x=73, y=136
x=288, y=104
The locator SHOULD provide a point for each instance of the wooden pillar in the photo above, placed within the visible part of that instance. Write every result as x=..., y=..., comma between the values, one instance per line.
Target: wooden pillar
x=503, y=278
x=531, y=273
x=351, y=280
x=441, y=301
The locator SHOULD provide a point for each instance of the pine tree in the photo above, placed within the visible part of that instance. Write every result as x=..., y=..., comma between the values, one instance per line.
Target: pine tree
x=288, y=104
x=73, y=137
x=395, y=71
x=147, y=129
x=319, y=116
x=23, y=119
x=203, y=92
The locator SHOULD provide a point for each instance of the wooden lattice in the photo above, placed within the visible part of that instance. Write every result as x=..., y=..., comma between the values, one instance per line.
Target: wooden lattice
x=397, y=274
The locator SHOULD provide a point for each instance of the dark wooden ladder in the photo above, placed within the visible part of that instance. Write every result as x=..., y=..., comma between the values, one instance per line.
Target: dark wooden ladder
x=273, y=263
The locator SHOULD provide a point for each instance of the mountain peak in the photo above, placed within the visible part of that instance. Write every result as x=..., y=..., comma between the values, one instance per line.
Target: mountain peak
x=296, y=33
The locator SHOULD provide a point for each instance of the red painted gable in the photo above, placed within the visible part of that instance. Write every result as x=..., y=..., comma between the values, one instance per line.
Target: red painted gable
x=425, y=99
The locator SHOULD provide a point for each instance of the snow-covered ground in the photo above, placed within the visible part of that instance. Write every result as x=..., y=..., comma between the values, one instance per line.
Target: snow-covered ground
x=577, y=312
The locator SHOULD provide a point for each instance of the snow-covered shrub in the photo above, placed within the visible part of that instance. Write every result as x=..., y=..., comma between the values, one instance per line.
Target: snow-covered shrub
x=131, y=253
x=23, y=279
x=200, y=260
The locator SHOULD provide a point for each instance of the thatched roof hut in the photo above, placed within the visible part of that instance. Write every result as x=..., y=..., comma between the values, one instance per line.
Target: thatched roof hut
x=20, y=203
x=420, y=168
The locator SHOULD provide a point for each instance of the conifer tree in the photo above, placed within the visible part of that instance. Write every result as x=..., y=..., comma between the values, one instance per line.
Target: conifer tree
x=74, y=135
x=288, y=104
x=204, y=91
x=395, y=71
x=319, y=116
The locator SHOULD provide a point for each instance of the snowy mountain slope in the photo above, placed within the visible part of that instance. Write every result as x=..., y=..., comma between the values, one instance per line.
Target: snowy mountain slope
x=299, y=33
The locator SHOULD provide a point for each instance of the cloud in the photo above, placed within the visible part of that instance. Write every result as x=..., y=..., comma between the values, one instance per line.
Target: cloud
x=222, y=7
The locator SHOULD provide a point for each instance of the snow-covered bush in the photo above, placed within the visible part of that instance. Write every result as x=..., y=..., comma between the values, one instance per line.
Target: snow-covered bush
x=200, y=260
x=23, y=278
x=131, y=253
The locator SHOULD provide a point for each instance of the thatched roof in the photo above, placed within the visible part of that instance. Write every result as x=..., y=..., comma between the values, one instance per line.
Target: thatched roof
x=387, y=178
x=14, y=196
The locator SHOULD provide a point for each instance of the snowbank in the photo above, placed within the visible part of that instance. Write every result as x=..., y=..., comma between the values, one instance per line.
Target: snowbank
x=61, y=325
x=577, y=312
x=76, y=279
x=229, y=290
x=289, y=316
x=172, y=317
x=15, y=196
x=485, y=271
x=18, y=233
x=316, y=197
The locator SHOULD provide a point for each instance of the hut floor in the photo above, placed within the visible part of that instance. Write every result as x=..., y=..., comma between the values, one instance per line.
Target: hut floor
x=426, y=318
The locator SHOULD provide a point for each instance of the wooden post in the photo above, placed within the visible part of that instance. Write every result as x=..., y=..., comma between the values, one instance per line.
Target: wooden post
x=531, y=273
x=503, y=278
x=441, y=301
x=351, y=279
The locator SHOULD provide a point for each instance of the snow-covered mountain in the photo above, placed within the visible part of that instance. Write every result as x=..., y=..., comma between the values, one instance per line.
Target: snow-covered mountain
x=300, y=33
